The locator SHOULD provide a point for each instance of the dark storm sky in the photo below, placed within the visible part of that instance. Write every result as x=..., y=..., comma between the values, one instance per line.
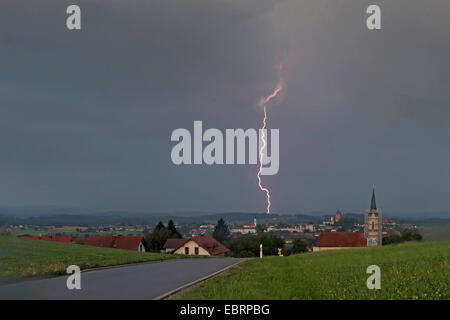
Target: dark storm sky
x=86, y=116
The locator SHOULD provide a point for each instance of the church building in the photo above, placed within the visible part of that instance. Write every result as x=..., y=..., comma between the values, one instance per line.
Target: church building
x=373, y=223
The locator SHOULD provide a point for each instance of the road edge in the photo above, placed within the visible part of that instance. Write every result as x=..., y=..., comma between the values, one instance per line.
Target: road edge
x=167, y=294
x=10, y=281
x=139, y=263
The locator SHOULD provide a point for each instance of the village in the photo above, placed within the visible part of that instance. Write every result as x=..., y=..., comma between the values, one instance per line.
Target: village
x=331, y=232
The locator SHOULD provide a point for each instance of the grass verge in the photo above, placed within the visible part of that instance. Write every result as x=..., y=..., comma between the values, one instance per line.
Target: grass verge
x=408, y=271
x=21, y=258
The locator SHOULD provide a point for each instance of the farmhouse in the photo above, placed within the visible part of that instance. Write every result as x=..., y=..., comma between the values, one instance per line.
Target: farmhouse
x=202, y=245
x=340, y=240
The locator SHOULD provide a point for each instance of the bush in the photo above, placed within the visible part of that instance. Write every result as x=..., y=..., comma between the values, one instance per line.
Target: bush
x=299, y=246
x=243, y=246
x=245, y=254
x=411, y=235
x=392, y=239
x=406, y=235
x=248, y=245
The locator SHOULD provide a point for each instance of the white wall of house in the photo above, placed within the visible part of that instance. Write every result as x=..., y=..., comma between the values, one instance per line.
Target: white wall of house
x=141, y=247
x=191, y=245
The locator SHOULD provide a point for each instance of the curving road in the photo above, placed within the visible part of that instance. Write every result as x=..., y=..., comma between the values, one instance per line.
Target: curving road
x=141, y=281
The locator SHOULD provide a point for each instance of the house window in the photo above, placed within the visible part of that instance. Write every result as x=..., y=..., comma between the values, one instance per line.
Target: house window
x=196, y=250
x=186, y=250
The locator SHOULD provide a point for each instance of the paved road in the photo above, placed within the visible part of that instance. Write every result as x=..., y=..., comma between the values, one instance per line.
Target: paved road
x=141, y=281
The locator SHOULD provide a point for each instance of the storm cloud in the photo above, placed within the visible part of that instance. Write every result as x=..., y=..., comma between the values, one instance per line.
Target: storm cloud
x=86, y=116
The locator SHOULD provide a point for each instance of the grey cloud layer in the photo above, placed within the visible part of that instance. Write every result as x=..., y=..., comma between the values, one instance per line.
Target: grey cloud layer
x=86, y=116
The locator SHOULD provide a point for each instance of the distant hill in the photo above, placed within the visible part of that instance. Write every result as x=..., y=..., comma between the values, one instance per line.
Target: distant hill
x=433, y=221
x=81, y=217
x=133, y=219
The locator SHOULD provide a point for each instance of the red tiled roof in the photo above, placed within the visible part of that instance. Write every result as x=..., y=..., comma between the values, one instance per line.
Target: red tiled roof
x=28, y=237
x=50, y=238
x=58, y=239
x=208, y=243
x=211, y=245
x=98, y=241
x=342, y=239
x=118, y=242
x=127, y=242
x=174, y=243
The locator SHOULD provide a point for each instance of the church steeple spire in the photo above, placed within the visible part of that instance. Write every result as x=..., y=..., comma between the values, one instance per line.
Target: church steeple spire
x=373, y=223
x=373, y=205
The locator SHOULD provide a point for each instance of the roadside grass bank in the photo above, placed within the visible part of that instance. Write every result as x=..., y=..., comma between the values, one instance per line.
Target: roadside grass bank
x=408, y=271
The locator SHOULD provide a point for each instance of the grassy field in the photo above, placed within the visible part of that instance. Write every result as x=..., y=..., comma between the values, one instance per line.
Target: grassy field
x=30, y=258
x=408, y=271
x=435, y=232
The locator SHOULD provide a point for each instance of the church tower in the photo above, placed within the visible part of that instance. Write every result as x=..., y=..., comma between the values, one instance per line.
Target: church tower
x=373, y=223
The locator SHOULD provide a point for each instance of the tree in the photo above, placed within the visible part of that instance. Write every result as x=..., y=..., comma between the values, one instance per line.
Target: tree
x=174, y=232
x=246, y=245
x=270, y=244
x=221, y=231
x=392, y=239
x=260, y=228
x=243, y=245
x=299, y=245
x=406, y=235
x=160, y=225
x=411, y=235
x=156, y=239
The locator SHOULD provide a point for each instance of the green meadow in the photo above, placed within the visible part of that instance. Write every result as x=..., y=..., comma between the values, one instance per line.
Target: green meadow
x=408, y=271
x=21, y=258
x=435, y=232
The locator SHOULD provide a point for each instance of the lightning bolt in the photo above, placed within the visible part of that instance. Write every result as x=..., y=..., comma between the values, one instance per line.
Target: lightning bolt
x=261, y=149
x=263, y=102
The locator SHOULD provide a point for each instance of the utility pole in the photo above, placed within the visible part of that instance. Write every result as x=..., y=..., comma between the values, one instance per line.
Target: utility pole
x=260, y=251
